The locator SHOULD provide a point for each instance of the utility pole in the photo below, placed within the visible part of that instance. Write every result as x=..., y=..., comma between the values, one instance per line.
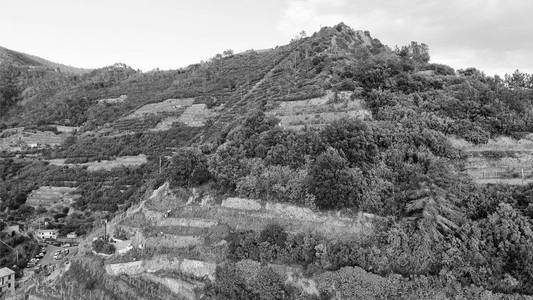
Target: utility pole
x=105, y=229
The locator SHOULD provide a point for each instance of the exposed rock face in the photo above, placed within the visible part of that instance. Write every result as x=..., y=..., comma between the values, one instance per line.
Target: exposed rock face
x=164, y=197
x=345, y=40
x=416, y=51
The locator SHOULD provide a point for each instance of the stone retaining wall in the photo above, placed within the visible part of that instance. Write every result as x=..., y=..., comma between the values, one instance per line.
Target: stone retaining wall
x=195, y=268
x=241, y=203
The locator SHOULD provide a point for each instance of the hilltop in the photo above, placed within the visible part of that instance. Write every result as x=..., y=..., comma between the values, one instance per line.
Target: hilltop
x=331, y=166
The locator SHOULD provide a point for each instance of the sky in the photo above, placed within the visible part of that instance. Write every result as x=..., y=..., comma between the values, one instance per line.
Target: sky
x=495, y=36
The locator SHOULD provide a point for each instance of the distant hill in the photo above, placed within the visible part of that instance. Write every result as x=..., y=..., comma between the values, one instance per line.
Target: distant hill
x=297, y=71
x=8, y=56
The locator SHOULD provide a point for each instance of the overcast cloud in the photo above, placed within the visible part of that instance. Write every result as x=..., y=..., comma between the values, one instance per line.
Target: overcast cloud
x=494, y=35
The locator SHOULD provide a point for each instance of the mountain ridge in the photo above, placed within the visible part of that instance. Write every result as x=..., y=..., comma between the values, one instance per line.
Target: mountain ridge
x=8, y=56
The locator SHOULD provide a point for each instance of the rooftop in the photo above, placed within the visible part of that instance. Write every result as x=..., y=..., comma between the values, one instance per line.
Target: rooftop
x=47, y=230
x=6, y=271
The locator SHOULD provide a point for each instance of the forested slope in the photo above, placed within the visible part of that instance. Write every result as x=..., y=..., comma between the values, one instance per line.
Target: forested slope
x=373, y=135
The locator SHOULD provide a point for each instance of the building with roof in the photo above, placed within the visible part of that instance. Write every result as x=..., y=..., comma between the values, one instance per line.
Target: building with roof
x=47, y=233
x=7, y=281
x=72, y=235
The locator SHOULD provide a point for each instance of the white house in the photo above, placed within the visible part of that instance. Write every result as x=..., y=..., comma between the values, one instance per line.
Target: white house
x=47, y=233
x=7, y=281
x=72, y=235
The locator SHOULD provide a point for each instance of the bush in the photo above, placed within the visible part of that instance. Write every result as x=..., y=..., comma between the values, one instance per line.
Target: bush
x=273, y=234
x=120, y=234
x=270, y=285
x=101, y=246
x=229, y=285
x=334, y=184
x=188, y=167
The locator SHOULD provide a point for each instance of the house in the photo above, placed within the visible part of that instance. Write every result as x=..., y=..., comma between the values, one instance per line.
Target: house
x=7, y=281
x=47, y=233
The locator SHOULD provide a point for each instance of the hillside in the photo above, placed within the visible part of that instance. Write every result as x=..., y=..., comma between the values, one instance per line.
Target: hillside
x=10, y=57
x=333, y=166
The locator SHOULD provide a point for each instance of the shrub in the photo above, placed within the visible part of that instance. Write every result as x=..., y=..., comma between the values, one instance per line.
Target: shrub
x=229, y=285
x=120, y=234
x=334, y=184
x=102, y=246
x=188, y=167
x=273, y=234
x=270, y=285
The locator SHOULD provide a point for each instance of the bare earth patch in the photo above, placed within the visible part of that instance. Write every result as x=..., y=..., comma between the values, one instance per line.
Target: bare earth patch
x=122, y=161
x=167, y=106
x=49, y=196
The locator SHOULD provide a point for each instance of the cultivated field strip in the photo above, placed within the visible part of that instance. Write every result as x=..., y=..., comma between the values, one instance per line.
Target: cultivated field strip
x=500, y=161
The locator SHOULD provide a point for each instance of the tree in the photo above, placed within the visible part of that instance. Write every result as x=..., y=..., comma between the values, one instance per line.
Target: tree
x=519, y=80
x=353, y=138
x=229, y=285
x=228, y=165
x=188, y=167
x=227, y=53
x=334, y=184
x=101, y=246
x=429, y=199
x=509, y=238
x=269, y=285
x=274, y=183
x=273, y=234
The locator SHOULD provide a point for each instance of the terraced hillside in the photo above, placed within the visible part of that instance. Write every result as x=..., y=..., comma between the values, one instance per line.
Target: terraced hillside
x=118, y=162
x=161, y=116
x=116, y=99
x=321, y=168
x=191, y=237
x=17, y=139
x=318, y=112
x=52, y=196
x=504, y=160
